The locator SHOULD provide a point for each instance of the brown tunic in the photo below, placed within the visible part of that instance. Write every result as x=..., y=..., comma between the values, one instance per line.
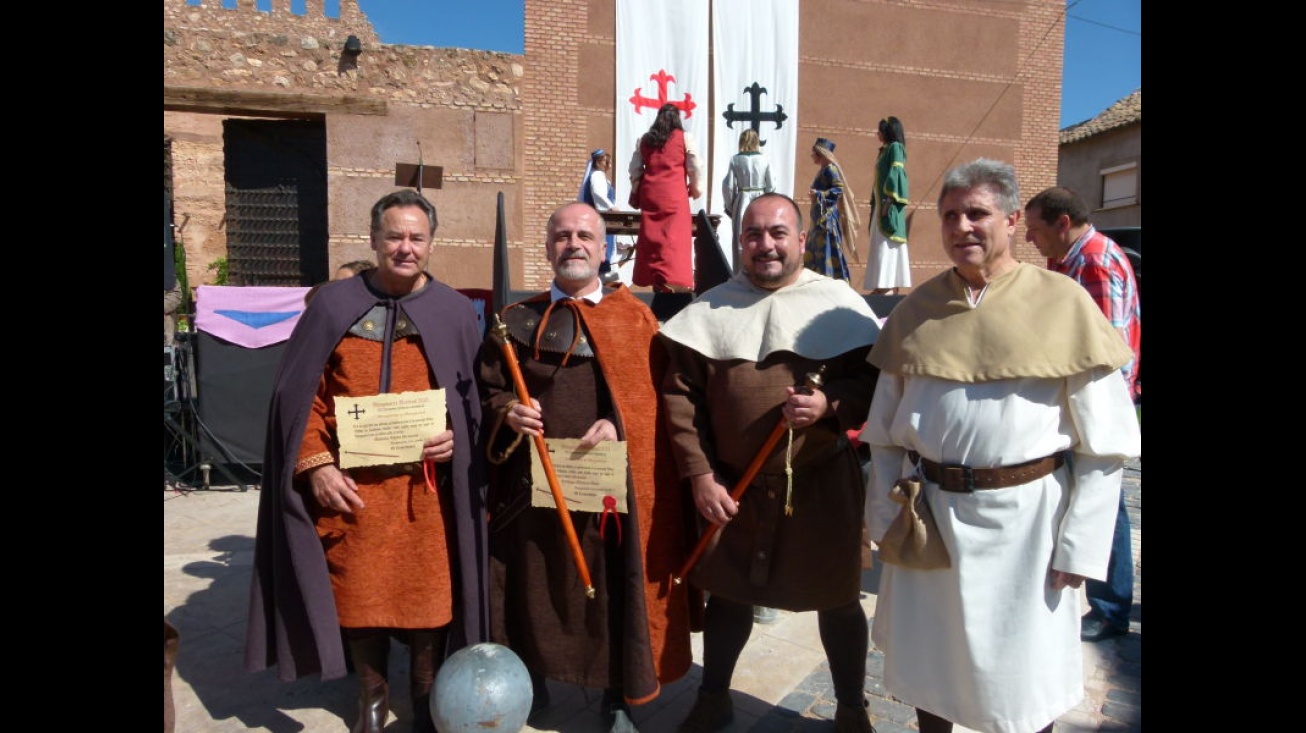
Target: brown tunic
x=389, y=561
x=720, y=413
x=634, y=635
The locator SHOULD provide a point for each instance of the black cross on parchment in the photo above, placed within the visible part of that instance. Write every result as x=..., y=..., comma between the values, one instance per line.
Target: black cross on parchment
x=357, y=412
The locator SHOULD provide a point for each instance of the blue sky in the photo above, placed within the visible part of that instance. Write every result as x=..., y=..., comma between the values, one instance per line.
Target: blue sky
x=1103, y=61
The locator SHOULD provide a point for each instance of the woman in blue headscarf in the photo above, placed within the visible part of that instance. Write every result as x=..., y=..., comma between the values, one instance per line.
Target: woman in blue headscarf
x=597, y=191
x=832, y=236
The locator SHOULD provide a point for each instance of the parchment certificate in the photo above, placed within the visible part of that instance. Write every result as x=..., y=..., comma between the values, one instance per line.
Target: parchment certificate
x=387, y=428
x=586, y=476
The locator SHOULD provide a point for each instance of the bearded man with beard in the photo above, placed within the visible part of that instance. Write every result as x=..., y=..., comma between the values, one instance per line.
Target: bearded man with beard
x=591, y=365
x=739, y=359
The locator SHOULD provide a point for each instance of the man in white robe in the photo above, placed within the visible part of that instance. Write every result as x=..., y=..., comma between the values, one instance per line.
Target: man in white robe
x=1001, y=382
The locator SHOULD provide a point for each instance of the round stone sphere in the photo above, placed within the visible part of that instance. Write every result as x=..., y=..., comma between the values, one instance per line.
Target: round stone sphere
x=482, y=688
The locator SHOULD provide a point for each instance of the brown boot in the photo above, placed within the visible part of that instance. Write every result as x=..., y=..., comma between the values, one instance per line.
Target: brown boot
x=425, y=648
x=370, y=649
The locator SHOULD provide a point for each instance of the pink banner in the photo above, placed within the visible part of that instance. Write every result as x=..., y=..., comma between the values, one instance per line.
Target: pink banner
x=252, y=317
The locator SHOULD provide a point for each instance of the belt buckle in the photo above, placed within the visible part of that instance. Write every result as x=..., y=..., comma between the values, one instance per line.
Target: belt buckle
x=967, y=477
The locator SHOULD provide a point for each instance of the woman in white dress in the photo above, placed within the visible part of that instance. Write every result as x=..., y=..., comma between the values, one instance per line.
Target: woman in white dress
x=749, y=177
x=887, y=267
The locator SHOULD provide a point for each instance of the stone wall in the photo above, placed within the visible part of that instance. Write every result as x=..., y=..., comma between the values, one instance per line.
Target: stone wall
x=1082, y=162
x=461, y=105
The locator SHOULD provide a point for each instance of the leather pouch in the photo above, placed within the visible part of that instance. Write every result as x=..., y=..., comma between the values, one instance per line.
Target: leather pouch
x=912, y=540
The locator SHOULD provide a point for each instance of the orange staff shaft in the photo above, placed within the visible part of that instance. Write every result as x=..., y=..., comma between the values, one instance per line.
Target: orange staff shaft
x=735, y=493
x=750, y=473
x=523, y=396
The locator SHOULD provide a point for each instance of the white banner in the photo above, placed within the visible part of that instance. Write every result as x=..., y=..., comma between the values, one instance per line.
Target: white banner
x=661, y=57
x=756, y=85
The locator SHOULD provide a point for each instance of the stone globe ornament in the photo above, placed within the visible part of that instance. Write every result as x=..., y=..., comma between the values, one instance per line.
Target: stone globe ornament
x=482, y=688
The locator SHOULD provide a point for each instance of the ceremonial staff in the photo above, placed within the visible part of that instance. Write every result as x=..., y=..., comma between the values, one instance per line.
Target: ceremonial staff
x=523, y=396
x=814, y=382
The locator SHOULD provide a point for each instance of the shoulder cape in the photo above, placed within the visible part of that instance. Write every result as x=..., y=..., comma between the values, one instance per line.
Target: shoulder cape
x=817, y=317
x=292, y=614
x=1030, y=322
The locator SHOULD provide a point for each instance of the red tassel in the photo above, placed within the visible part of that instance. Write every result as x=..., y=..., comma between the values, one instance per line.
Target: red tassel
x=610, y=507
x=428, y=470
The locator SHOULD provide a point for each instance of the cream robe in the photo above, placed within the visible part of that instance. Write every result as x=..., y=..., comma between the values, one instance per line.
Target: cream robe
x=987, y=643
x=1029, y=370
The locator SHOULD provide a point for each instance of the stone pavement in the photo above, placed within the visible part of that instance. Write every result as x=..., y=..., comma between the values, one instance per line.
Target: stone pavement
x=781, y=684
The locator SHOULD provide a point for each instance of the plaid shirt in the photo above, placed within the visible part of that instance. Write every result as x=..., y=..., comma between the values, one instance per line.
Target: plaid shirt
x=1096, y=262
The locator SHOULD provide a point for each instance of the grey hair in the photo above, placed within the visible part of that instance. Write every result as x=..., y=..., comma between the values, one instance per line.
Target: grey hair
x=998, y=176
x=403, y=197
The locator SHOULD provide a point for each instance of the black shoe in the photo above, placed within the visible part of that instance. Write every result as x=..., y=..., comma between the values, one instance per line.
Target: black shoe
x=1093, y=627
x=539, y=698
x=853, y=719
x=712, y=711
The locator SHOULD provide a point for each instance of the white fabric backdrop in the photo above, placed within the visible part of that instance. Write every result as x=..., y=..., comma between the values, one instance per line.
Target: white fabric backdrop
x=756, y=42
x=670, y=36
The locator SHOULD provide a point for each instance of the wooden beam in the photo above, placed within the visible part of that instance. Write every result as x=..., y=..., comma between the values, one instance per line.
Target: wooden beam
x=266, y=104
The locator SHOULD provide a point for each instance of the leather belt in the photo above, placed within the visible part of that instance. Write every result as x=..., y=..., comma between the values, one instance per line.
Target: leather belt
x=391, y=470
x=964, y=479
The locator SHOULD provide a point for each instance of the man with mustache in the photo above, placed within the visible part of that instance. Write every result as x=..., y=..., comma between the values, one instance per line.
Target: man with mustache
x=740, y=356
x=591, y=366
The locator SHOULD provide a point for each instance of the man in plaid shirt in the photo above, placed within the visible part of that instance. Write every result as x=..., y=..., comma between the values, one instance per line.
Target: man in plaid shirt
x=1056, y=222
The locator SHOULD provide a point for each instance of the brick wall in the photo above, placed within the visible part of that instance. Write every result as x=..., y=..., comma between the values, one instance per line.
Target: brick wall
x=968, y=78
x=553, y=123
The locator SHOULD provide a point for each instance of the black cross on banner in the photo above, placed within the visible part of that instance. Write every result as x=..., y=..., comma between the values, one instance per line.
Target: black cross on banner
x=755, y=116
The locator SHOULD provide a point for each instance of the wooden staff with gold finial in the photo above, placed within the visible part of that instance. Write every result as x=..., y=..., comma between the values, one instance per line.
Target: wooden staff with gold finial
x=500, y=330
x=813, y=382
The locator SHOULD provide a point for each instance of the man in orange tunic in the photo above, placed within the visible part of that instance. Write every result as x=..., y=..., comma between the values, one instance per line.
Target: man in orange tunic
x=381, y=550
x=591, y=365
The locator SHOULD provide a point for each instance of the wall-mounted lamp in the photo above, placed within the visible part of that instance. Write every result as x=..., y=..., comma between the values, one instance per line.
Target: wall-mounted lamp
x=353, y=46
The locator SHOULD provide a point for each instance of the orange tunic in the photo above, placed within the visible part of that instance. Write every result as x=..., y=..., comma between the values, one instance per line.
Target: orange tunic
x=389, y=561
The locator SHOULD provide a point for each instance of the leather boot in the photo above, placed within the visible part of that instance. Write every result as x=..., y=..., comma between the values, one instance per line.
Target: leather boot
x=425, y=647
x=853, y=718
x=370, y=650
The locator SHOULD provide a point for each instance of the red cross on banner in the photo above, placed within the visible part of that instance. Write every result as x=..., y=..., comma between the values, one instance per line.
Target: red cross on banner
x=686, y=105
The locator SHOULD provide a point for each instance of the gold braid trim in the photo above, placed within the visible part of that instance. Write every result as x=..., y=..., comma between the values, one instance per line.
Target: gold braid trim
x=313, y=461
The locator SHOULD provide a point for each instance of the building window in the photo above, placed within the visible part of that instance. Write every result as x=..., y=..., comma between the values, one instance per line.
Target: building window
x=1120, y=185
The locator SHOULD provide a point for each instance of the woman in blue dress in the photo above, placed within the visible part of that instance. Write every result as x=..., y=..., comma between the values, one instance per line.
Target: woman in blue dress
x=833, y=233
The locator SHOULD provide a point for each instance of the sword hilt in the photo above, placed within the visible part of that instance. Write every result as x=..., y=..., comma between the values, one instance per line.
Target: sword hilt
x=813, y=381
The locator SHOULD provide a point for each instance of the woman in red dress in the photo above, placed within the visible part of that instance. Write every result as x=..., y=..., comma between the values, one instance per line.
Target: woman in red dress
x=664, y=177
